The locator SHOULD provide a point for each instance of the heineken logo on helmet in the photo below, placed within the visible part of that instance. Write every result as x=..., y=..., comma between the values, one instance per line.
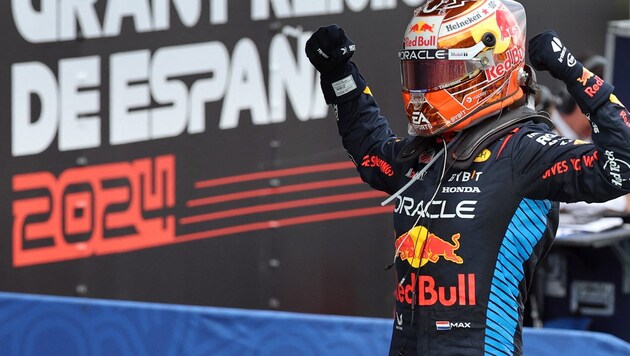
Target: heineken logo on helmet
x=457, y=25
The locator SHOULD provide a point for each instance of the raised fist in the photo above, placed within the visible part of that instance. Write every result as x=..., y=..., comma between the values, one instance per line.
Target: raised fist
x=329, y=48
x=546, y=52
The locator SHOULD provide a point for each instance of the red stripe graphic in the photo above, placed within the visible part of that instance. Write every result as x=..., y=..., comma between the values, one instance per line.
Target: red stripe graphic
x=274, y=174
x=284, y=222
x=273, y=191
x=281, y=206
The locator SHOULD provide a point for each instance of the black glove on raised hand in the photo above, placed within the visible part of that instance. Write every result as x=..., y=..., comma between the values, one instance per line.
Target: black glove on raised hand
x=546, y=52
x=330, y=50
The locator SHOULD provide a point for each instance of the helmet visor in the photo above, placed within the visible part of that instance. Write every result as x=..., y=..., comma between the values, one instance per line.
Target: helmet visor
x=428, y=75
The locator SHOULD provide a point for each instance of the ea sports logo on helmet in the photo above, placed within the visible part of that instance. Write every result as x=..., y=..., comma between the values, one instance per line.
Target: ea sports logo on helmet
x=421, y=121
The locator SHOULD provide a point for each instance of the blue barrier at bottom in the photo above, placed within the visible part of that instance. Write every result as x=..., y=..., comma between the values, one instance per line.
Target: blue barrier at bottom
x=44, y=325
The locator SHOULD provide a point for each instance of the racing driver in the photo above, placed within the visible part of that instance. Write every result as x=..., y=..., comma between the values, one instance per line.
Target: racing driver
x=475, y=185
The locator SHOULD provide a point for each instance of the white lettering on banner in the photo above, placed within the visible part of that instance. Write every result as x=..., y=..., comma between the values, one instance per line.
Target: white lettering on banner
x=129, y=126
x=32, y=79
x=69, y=108
x=36, y=26
x=173, y=62
x=292, y=78
x=281, y=9
x=383, y=4
x=117, y=10
x=246, y=87
x=70, y=103
x=218, y=11
x=79, y=104
x=63, y=20
x=211, y=89
x=189, y=12
x=147, y=94
x=73, y=13
x=355, y=5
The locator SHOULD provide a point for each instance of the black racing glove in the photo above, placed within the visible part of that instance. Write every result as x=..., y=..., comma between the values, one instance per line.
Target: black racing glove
x=330, y=50
x=546, y=52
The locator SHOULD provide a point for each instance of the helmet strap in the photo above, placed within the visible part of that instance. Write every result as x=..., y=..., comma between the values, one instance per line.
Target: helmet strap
x=527, y=80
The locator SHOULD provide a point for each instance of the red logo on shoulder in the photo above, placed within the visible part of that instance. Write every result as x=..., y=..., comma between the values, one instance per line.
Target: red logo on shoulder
x=374, y=161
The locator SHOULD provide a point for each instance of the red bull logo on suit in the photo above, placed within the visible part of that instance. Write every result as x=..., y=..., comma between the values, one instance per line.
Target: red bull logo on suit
x=419, y=246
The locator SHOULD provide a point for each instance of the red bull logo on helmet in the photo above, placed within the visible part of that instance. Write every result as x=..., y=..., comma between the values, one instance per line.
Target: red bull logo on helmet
x=515, y=57
x=419, y=246
x=422, y=26
x=507, y=24
x=423, y=32
x=421, y=41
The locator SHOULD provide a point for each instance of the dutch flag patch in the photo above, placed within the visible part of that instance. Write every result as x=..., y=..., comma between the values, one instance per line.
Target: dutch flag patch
x=443, y=325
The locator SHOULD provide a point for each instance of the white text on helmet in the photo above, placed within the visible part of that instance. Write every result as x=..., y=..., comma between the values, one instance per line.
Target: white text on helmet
x=423, y=54
x=461, y=24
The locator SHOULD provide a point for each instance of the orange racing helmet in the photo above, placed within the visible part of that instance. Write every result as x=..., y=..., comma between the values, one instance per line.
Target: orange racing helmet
x=461, y=62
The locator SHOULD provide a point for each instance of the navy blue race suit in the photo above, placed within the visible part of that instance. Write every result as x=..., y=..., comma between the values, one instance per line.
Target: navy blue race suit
x=488, y=226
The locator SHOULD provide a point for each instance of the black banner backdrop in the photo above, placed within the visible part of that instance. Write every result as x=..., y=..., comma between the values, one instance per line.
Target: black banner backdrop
x=180, y=151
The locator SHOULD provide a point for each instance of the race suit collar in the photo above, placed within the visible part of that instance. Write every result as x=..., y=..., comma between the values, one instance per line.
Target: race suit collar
x=476, y=138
